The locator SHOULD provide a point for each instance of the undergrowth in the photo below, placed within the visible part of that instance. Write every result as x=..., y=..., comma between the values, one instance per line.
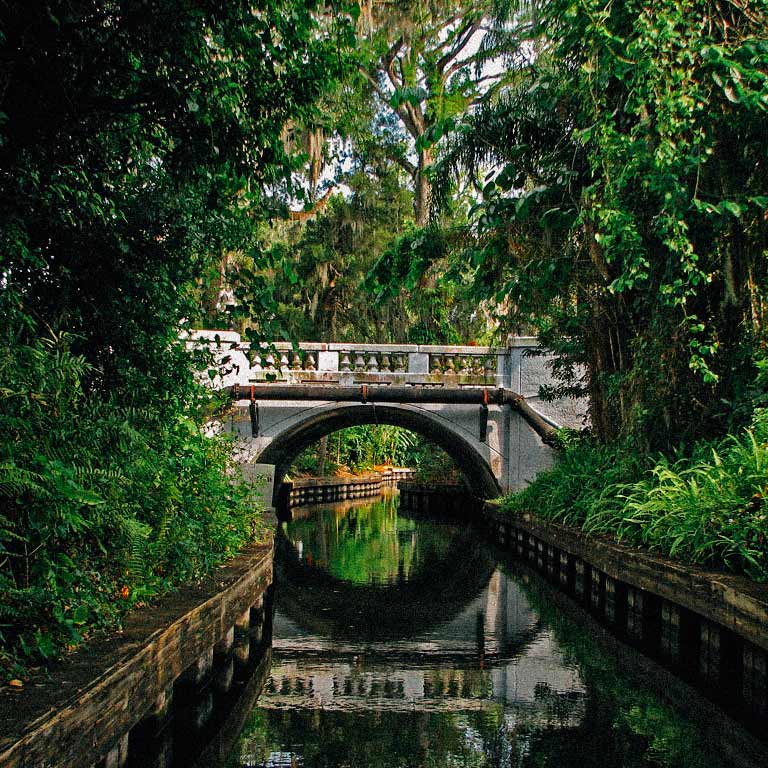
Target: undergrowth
x=104, y=504
x=703, y=506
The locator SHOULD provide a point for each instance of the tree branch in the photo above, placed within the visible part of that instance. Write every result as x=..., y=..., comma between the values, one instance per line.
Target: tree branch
x=462, y=39
x=388, y=61
x=410, y=168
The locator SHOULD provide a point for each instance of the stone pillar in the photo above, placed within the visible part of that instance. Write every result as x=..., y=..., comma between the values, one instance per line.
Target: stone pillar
x=224, y=675
x=199, y=671
x=223, y=647
x=242, y=645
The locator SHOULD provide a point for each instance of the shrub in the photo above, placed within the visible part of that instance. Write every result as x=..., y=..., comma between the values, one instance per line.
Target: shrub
x=104, y=504
x=704, y=506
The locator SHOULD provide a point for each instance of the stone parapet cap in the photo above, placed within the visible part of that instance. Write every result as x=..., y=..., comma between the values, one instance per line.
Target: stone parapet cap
x=522, y=341
x=231, y=337
x=454, y=349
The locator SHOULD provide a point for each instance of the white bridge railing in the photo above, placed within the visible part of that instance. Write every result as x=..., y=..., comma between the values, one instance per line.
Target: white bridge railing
x=243, y=363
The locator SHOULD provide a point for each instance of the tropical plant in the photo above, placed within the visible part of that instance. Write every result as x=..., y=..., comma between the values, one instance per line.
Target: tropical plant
x=623, y=205
x=138, y=143
x=704, y=506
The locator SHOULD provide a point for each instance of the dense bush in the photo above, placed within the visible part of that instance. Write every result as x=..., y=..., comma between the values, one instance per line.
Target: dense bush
x=705, y=506
x=139, y=145
x=103, y=504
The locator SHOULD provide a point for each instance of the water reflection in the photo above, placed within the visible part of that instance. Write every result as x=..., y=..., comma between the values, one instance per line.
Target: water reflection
x=401, y=642
x=366, y=543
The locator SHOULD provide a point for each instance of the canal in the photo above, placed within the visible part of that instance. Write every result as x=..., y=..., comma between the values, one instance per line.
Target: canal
x=406, y=640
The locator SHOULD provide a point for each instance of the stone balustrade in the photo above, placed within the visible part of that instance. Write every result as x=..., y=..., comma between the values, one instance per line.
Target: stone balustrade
x=350, y=364
x=358, y=363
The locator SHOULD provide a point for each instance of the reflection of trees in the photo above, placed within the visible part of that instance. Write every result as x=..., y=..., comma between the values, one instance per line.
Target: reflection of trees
x=368, y=544
x=321, y=603
x=403, y=739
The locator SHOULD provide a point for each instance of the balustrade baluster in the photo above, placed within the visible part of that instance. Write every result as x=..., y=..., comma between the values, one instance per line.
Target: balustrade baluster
x=386, y=365
x=400, y=360
x=450, y=368
x=490, y=366
x=435, y=364
x=373, y=362
x=270, y=362
x=257, y=362
x=464, y=365
x=345, y=364
x=359, y=362
x=283, y=361
x=295, y=361
x=310, y=364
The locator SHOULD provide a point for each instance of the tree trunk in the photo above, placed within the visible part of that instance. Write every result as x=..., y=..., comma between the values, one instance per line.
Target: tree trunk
x=422, y=191
x=322, y=452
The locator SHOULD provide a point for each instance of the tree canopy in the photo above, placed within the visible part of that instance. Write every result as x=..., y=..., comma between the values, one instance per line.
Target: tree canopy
x=593, y=172
x=138, y=141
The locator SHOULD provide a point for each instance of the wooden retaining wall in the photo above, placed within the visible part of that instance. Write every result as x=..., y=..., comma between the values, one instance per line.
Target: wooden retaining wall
x=325, y=490
x=710, y=628
x=94, y=700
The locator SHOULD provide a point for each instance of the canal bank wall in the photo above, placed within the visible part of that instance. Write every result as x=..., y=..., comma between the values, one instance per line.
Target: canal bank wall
x=709, y=628
x=172, y=661
x=325, y=490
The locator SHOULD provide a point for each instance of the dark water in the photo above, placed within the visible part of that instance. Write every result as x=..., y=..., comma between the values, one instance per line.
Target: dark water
x=407, y=642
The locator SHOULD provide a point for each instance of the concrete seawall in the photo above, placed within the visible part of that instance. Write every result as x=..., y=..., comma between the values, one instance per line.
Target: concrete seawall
x=709, y=628
x=171, y=656
x=324, y=490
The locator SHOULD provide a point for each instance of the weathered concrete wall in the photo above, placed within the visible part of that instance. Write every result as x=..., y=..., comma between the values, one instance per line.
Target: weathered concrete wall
x=710, y=628
x=85, y=712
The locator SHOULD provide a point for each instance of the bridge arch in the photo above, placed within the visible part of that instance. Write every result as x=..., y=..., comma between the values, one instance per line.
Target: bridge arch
x=287, y=437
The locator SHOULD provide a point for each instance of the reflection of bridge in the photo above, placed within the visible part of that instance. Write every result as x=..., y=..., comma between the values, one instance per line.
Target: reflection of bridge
x=493, y=652
x=494, y=628
x=536, y=679
x=480, y=404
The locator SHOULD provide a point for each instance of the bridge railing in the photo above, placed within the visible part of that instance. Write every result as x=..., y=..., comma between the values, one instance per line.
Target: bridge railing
x=349, y=364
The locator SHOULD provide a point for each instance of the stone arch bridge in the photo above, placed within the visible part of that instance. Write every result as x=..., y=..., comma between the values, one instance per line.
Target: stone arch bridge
x=481, y=404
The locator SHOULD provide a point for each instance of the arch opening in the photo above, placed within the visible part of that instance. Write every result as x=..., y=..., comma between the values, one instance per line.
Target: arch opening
x=286, y=446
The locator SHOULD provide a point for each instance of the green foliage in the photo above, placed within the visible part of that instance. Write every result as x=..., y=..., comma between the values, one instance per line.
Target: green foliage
x=579, y=483
x=706, y=507
x=362, y=448
x=346, y=275
x=365, y=447
x=622, y=207
x=139, y=144
x=104, y=505
x=433, y=464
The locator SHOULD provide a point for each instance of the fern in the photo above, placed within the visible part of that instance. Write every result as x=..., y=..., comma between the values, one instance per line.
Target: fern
x=137, y=539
